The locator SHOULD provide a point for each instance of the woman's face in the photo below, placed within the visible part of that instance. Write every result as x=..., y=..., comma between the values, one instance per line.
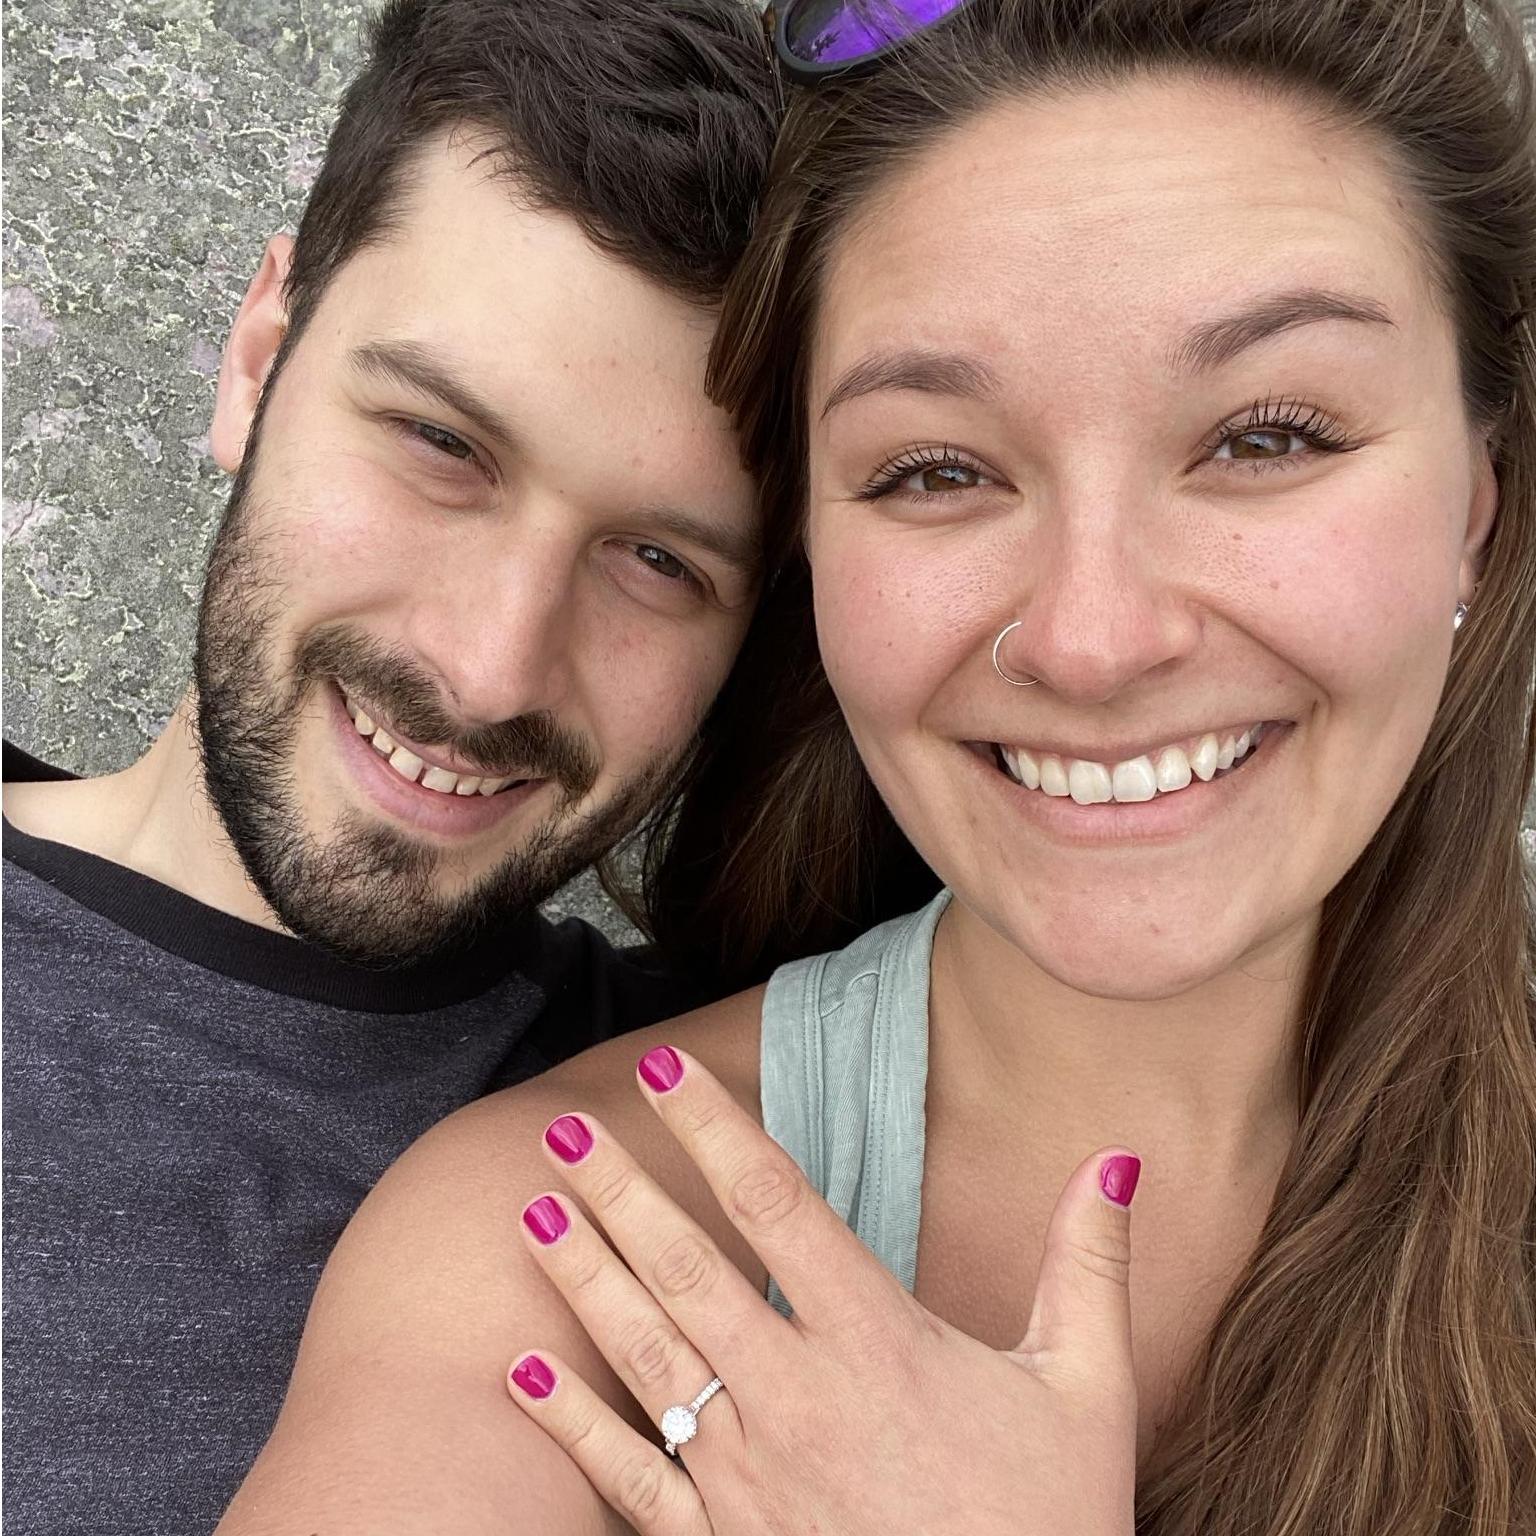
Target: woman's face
x=1156, y=374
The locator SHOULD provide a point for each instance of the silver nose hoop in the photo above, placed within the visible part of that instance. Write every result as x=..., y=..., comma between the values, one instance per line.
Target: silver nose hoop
x=997, y=660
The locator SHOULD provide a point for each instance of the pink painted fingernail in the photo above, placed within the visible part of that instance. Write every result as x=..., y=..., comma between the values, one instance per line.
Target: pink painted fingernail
x=569, y=1138
x=1117, y=1178
x=533, y=1376
x=662, y=1068
x=546, y=1219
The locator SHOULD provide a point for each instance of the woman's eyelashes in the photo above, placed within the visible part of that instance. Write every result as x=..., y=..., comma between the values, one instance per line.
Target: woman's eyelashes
x=1277, y=434
x=1271, y=434
x=923, y=473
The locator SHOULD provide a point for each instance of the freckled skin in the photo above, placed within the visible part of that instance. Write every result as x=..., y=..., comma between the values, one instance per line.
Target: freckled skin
x=1160, y=592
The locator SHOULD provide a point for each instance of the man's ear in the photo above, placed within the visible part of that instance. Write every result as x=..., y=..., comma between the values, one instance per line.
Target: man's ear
x=1480, y=520
x=257, y=333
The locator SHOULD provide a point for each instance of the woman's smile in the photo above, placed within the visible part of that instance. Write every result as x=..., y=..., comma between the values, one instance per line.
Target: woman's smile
x=1083, y=816
x=1128, y=778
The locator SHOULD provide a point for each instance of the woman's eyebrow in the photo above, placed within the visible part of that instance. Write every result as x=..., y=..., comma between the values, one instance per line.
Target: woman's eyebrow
x=933, y=373
x=1212, y=343
x=1202, y=348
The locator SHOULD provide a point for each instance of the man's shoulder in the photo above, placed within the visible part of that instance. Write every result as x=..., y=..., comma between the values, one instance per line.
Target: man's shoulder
x=435, y=1241
x=489, y=1149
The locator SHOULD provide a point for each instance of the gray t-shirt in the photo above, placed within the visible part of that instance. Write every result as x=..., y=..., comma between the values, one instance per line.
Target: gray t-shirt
x=194, y=1107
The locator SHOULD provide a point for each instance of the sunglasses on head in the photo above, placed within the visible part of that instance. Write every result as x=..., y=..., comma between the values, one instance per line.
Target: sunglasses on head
x=818, y=40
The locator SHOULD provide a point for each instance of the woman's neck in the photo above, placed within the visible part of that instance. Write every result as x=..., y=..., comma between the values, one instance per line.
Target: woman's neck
x=1212, y=1071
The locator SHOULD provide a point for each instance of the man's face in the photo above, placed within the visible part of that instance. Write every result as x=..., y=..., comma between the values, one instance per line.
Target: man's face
x=479, y=580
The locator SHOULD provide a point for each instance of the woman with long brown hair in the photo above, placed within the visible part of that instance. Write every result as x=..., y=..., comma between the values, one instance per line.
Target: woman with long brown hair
x=1144, y=393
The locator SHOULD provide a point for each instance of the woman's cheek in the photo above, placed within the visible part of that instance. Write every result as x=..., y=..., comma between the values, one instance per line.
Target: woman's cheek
x=1354, y=595
x=887, y=623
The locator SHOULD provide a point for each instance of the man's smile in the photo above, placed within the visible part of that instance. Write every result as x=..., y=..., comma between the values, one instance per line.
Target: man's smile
x=407, y=785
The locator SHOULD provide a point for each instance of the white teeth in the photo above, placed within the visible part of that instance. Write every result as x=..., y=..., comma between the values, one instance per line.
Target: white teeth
x=411, y=767
x=1172, y=770
x=1202, y=760
x=406, y=764
x=1089, y=783
x=1134, y=781
x=1022, y=766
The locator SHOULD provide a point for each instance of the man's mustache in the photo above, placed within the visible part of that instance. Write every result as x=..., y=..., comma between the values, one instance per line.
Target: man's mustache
x=534, y=745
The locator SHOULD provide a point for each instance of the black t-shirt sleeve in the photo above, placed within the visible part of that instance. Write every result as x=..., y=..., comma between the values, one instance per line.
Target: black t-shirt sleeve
x=20, y=767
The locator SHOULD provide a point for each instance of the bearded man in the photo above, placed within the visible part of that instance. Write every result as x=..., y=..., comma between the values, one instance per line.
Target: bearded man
x=487, y=559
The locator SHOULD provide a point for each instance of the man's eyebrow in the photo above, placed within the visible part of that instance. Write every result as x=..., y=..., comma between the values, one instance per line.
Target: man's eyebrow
x=933, y=373
x=409, y=363
x=738, y=547
x=413, y=365
x=1214, y=342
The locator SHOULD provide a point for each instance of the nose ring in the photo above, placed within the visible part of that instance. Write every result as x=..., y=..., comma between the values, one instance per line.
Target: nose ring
x=997, y=663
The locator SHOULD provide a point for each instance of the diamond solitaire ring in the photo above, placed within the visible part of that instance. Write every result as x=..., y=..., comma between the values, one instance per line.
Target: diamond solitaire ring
x=680, y=1424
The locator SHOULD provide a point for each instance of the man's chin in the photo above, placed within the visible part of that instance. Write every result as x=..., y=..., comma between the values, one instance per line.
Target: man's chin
x=374, y=898
x=381, y=934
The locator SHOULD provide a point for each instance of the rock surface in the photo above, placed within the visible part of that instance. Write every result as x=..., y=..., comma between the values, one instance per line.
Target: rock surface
x=151, y=149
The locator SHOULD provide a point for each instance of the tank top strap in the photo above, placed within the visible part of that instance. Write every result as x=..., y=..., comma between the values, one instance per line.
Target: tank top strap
x=844, y=1079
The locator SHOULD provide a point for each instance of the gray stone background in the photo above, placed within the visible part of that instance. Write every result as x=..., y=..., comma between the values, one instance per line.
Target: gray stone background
x=151, y=148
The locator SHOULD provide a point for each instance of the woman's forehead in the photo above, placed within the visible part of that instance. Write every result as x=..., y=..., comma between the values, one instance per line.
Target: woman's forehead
x=1117, y=217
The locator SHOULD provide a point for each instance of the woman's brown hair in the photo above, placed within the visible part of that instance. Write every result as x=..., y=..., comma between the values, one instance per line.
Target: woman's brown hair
x=1373, y=1371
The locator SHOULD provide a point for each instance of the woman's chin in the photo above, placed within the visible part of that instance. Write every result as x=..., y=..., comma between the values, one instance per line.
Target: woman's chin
x=1124, y=961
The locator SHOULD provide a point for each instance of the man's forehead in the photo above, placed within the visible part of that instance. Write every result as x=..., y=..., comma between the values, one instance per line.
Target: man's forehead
x=466, y=253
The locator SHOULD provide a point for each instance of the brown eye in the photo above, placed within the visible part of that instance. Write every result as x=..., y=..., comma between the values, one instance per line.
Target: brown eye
x=940, y=478
x=929, y=473
x=1262, y=444
x=445, y=441
x=662, y=561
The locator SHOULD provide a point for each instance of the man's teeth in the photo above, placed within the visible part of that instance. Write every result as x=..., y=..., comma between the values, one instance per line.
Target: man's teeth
x=411, y=767
x=1163, y=772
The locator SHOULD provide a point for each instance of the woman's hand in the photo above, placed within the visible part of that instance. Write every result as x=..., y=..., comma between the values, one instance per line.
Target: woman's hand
x=863, y=1413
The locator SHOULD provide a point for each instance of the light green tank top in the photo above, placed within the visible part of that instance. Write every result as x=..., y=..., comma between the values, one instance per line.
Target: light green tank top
x=844, y=1075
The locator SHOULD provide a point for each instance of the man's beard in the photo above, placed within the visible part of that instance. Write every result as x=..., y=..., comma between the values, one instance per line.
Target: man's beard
x=368, y=894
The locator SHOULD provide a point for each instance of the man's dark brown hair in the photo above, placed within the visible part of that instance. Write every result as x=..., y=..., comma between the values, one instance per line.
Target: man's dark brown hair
x=650, y=122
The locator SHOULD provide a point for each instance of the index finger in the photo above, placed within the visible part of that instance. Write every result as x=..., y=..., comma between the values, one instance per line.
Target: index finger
x=820, y=1264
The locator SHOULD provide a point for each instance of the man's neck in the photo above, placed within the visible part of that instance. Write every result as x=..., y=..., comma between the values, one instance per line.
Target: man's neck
x=153, y=817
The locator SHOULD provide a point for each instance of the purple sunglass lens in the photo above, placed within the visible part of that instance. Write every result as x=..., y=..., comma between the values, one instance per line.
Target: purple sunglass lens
x=839, y=31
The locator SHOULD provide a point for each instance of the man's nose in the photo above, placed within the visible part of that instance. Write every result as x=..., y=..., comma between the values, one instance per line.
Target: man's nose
x=1098, y=606
x=501, y=625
